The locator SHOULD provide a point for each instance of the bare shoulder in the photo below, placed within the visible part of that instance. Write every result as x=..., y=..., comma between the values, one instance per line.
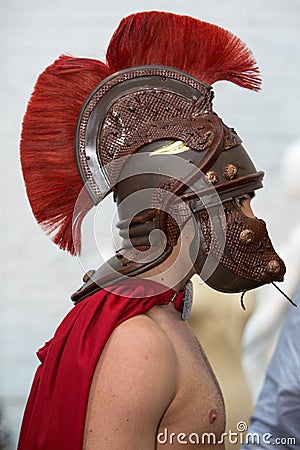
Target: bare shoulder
x=142, y=349
x=134, y=382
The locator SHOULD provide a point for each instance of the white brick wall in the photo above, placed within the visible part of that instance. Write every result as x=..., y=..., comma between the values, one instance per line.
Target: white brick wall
x=37, y=277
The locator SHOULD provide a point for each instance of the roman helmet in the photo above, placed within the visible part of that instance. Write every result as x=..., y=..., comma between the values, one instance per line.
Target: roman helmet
x=142, y=127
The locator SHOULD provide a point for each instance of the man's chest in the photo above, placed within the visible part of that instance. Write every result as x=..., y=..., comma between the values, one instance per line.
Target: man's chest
x=196, y=416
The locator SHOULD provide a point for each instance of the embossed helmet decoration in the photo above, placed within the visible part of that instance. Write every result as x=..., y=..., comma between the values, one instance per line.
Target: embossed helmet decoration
x=144, y=123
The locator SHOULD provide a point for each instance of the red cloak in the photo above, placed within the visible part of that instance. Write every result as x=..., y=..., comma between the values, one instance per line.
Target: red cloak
x=54, y=417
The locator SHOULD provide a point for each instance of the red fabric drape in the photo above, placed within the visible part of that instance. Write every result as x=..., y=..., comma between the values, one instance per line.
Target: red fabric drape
x=55, y=413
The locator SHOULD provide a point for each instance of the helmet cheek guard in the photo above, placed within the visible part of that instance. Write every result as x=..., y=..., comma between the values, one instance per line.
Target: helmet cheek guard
x=248, y=259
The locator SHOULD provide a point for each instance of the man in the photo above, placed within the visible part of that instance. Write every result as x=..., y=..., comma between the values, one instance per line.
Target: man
x=124, y=371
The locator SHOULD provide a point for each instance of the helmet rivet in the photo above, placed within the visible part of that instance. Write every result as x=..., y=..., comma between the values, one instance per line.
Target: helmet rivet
x=273, y=266
x=88, y=275
x=205, y=249
x=230, y=171
x=246, y=236
x=212, y=176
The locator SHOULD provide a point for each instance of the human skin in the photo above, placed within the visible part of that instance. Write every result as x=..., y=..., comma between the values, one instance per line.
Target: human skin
x=153, y=379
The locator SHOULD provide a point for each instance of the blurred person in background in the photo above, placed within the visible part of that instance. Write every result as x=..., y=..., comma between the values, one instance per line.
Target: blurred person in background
x=276, y=418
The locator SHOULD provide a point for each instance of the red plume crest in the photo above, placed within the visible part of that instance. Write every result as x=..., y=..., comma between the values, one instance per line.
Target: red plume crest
x=201, y=49
x=53, y=183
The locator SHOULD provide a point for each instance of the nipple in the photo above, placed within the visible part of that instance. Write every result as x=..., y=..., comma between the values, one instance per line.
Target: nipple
x=212, y=416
